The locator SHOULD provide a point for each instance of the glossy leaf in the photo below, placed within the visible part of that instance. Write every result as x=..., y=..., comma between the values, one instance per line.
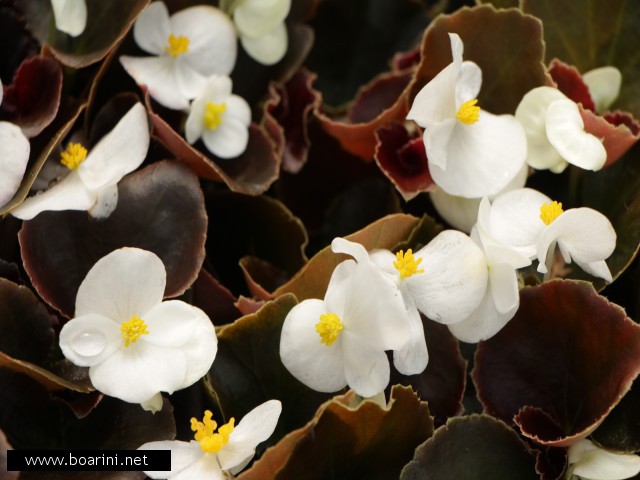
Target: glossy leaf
x=160, y=208
x=560, y=365
x=619, y=431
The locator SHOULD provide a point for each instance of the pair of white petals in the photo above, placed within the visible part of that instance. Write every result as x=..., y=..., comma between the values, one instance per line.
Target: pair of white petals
x=93, y=186
x=467, y=160
x=589, y=462
x=178, y=349
x=262, y=30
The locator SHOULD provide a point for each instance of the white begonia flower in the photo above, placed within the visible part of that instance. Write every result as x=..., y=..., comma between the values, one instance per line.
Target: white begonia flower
x=590, y=462
x=471, y=152
x=189, y=46
x=221, y=119
x=70, y=16
x=462, y=213
x=555, y=132
x=14, y=156
x=446, y=280
x=134, y=344
x=213, y=455
x=341, y=340
x=604, y=86
x=529, y=221
x=262, y=30
x=92, y=181
x=502, y=296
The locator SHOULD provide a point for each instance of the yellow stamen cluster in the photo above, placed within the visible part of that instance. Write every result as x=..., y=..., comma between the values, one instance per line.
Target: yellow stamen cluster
x=177, y=45
x=406, y=264
x=550, y=211
x=468, y=112
x=211, y=442
x=73, y=156
x=133, y=329
x=213, y=114
x=329, y=327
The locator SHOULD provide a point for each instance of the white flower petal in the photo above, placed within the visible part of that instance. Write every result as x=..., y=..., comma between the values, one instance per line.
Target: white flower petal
x=70, y=193
x=356, y=250
x=269, y=48
x=254, y=428
x=435, y=102
x=593, y=463
x=238, y=109
x=335, y=297
x=468, y=83
x=532, y=114
x=482, y=158
x=14, y=156
x=106, y=202
x=171, y=323
x=436, y=140
x=89, y=339
x=565, y=131
x=255, y=18
x=183, y=454
x=213, y=43
x=503, y=283
x=119, y=152
x=604, y=86
x=315, y=364
x=366, y=366
x=457, y=48
x=597, y=269
x=126, y=282
x=138, y=372
x=189, y=80
x=206, y=468
x=70, y=16
x=454, y=279
x=154, y=404
x=413, y=358
x=229, y=140
x=158, y=74
x=152, y=29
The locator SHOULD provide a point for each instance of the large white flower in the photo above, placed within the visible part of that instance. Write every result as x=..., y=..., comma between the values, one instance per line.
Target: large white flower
x=555, y=132
x=92, y=181
x=589, y=462
x=472, y=153
x=14, y=156
x=134, y=344
x=70, y=16
x=341, y=340
x=502, y=297
x=189, y=46
x=446, y=280
x=212, y=455
x=531, y=222
x=220, y=119
x=263, y=33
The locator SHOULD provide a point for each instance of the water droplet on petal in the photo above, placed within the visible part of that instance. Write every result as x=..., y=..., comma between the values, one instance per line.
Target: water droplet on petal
x=89, y=343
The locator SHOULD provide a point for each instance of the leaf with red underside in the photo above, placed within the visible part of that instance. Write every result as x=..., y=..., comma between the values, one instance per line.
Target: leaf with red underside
x=506, y=44
x=469, y=448
x=160, y=208
x=286, y=115
x=261, y=276
x=209, y=295
x=561, y=364
x=96, y=41
x=403, y=160
x=569, y=81
x=251, y=173
x=32, y=100
x=341, y=441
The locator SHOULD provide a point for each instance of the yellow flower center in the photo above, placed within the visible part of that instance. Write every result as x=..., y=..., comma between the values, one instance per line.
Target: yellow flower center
x=177, y=45
x=329, y=328
x=406, y=264
x=211, y=442
x=468, y=112
x=133, y=329
x=73, y=156
x=550, y=211
x=213, y=114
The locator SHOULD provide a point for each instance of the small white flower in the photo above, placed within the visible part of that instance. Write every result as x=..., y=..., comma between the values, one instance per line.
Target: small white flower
x=589, y=462
x=70, y=16
x=472, y=153
x=529, y=221
x=134, y=344
x=14, y=156
x=604, y=86
x=341, y=340
x=213, y=455
x=92, y=181
x=446, y=280
x=220, y=119
x=555, y=132
x=189, y=46
x=263, y=33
